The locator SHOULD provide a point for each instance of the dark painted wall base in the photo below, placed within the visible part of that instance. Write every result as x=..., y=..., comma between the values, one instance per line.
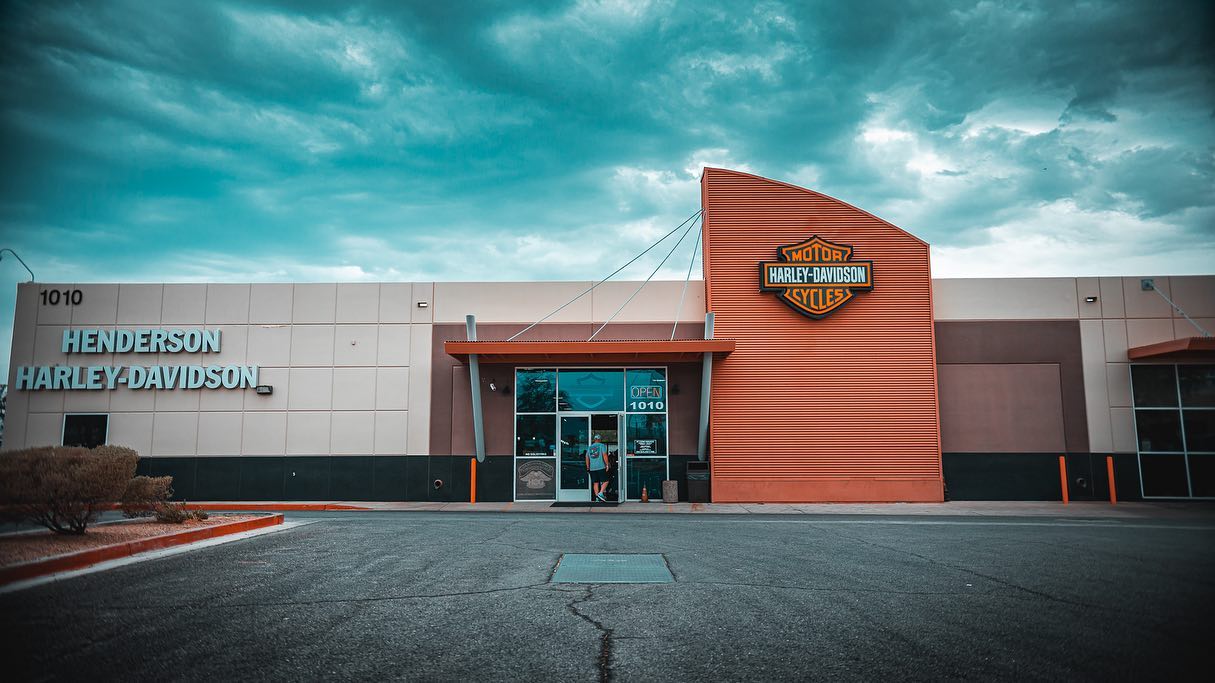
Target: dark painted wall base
x=1035, y=476
x=356, y=478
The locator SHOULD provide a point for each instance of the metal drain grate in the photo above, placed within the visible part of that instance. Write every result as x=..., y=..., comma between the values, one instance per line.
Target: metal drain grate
x=611, y=568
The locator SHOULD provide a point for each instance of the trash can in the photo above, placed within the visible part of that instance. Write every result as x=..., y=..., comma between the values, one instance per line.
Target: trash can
x=698, y=481
x=670, y=491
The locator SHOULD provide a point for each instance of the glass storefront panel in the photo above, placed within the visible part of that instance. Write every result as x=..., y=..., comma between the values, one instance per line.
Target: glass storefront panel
x=1163, y=475
x=598, y=391
x=646, y=473
x=647, y=435
x=535, y=436
x=574, y=440
x=1199, y=430
x=1158, y=430
x=647, y=390
x=1202, y=475
x=535, y=478
x=1197, y=385
x=535, y=391
x=1154, y=385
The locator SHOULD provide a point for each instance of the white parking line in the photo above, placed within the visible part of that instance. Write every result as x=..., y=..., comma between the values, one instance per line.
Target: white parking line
x=150, y=555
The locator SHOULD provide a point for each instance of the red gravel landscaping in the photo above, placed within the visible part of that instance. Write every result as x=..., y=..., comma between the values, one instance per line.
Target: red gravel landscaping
x=18, y=548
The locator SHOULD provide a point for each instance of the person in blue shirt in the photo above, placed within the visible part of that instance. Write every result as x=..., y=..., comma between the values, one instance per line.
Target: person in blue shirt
x=597, y=465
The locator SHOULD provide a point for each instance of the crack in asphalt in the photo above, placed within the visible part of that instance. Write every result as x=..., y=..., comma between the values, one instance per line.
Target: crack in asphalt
x=605, y=634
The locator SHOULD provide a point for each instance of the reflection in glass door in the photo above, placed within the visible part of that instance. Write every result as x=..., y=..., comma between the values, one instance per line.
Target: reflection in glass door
x=575, y=482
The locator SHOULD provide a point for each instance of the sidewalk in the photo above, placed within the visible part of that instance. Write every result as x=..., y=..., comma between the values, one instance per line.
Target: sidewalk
x=1082, y=509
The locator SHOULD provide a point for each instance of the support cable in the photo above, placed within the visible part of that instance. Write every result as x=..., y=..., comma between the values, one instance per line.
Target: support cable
x=592, y=287
x=1149, y=283
x=643, y=284
x=695, y=248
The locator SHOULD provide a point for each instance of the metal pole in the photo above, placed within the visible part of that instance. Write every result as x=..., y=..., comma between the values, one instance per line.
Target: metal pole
x=474, y=374
x=706, y=382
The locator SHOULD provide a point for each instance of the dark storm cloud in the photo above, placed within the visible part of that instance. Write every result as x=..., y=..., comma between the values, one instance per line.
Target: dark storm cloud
x=334, y=141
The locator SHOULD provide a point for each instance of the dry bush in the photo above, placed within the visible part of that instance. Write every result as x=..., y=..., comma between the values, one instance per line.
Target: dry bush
x=144, y=494
x=64, y=488
x=176, y=513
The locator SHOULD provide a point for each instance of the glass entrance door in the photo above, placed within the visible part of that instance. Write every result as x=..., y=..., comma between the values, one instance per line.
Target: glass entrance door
x=578, y=432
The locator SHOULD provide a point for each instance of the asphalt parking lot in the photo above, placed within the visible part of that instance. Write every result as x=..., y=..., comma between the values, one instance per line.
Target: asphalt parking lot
x=455, y=596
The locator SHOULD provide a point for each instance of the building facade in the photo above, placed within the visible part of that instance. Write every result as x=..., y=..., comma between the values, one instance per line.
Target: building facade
x=838, y=370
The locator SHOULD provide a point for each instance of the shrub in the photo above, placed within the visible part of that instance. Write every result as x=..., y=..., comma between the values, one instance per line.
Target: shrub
x=64, y=488
x=145, y=494
x=172, y=513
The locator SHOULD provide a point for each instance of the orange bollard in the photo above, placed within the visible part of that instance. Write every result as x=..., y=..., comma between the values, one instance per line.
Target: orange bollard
x=1109, y=469
x=472, y=480
x=1063, y=477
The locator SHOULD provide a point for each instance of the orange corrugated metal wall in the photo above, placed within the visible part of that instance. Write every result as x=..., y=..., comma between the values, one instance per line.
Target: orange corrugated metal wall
x=838, y=409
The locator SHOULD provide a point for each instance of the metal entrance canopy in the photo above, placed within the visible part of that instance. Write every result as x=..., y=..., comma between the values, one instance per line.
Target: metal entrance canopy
x=674, y=351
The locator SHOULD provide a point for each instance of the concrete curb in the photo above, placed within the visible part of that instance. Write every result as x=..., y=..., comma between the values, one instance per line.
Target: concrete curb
x=86, y=558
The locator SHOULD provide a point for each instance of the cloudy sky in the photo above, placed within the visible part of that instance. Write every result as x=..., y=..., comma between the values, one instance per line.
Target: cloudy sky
x=462, y=140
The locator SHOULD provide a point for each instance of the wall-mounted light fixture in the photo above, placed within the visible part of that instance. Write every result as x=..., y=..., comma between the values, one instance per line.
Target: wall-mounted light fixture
x=264, y=389
x=423, y=304
x=1090, y=299
x=492, y=386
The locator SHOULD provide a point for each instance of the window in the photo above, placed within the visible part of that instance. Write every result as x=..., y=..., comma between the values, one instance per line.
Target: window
x=88, y=430
x=599, y=391
x=1175, y=429
x=535, y=436
x=535, y=391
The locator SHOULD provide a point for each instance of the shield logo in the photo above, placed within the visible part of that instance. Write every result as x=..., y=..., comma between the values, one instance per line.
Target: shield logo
x=815, y=277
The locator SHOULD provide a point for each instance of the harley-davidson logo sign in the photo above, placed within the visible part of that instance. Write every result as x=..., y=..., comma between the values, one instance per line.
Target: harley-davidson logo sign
x=815, y=277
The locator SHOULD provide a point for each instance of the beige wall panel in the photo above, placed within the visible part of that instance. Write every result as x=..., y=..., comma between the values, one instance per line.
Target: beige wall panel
x=233, y=343
x=98, y=305
x=1096, y=390
x=270, y=304
x=1183, y=329
x=43, y=429
x=48, y=314
x=1003, y=299
x=280, y=379
x=985, y=408
x=392, y=389
x=25, y=324
x=264, y=434
x=519, y=302
x=87, y=401
x=311, y=389
x=1123, y=425
x=174, y=434
x=358, y=302
x=419, y=389
x=183, y=305
x=395, y=300
x=308, y=433
x=177, y=400
x=1148, y=331
x=314, y=303
x=139, y=304
x=14, y=429
x=133, y=430
x=1195, y=294
x=269, y=346
x=355, y=345
x=1112, y=304
x=312, y=345
x=354, y=389
x=393, y=345
x=423, y=292
x=657, y=302
x=223, y=399
x=219, y=433
x=48, y=342
x=46, y=401
x=131, y=400
x=1118, y=380
x=353, y=433
x=227, y=304
x=171, y=358
x=391, y=432
x=1086, y=287
x=1115, y=340
x=1146, y=304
